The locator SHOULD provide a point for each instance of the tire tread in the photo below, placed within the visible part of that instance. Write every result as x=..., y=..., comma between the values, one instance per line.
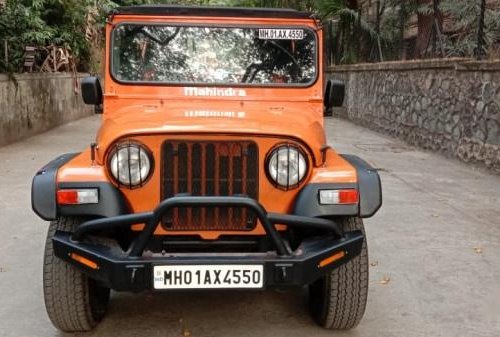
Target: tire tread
x=345, y=289
x=66, y=289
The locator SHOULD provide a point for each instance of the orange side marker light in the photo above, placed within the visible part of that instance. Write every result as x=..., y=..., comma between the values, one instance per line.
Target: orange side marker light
x=335, y=257
x=84, y=261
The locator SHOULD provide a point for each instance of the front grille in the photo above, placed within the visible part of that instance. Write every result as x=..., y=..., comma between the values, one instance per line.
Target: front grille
x=209, y=168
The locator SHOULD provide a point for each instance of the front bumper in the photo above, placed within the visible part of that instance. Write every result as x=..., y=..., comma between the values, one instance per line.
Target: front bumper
x=132, y=271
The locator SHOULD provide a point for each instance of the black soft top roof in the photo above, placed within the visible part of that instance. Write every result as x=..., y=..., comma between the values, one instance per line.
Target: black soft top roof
x=172, y=10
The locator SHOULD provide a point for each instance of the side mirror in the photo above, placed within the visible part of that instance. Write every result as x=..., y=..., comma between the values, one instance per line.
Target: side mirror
x=91, y=91
x=334, y=96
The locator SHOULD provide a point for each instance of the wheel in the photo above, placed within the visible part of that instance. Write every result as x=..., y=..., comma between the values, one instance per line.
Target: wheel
x=74, y=302
x=338, y=300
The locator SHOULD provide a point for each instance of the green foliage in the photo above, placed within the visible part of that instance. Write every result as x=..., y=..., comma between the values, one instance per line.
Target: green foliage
x=63, y=23
x=44, y=22
x=297, y=4
x=463, y=39
x=386, y=29
x=329, y=8
x=21, y=25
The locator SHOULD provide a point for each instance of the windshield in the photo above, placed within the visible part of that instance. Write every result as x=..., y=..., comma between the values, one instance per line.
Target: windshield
x=213, y=55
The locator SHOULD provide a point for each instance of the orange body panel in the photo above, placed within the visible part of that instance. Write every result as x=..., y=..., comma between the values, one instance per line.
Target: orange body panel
x=335, y=169
x=266, y=115
x=81, y=168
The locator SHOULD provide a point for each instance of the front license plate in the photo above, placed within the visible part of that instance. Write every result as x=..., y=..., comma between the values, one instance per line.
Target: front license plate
x=208, y=276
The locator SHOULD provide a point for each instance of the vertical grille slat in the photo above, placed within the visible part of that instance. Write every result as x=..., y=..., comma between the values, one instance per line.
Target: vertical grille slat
x=196, y=167
x=252, y=181
x=211, y=168
x=182, y=180
x=210, y=158
x=168, y=183
x=223, y=179
x=182, y=171
x=237, y=179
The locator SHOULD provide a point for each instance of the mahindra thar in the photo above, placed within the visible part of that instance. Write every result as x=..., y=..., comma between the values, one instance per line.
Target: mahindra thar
x=210, y=170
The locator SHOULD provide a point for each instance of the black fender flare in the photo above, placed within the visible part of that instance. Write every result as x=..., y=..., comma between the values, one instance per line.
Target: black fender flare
x=44, y=187
x=370, y=194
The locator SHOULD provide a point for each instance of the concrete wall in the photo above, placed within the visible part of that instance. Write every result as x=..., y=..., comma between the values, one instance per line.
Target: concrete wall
x=34, y=103
x=449, y=106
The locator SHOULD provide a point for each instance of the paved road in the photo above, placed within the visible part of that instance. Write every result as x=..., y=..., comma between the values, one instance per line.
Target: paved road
x=434, y=250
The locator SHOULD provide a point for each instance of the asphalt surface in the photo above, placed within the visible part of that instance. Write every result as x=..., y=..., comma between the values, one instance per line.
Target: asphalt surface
x=434, y=254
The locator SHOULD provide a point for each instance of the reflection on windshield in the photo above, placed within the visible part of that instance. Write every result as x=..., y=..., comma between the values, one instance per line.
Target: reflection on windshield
x=213, y=55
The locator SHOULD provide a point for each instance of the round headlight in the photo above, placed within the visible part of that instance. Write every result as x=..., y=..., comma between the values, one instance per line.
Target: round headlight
x=130, y=164
x=286, y=166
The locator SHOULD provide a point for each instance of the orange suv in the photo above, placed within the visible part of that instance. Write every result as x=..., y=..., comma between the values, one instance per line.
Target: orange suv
x=211, y=169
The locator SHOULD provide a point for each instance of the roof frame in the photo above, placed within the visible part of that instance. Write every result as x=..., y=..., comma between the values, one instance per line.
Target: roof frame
x=205, y=11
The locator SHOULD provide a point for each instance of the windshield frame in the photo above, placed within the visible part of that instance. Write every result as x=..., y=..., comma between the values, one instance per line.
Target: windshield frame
x=208, y=84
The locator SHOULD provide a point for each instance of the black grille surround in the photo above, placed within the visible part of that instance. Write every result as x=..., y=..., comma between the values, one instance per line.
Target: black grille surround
x=209, y=168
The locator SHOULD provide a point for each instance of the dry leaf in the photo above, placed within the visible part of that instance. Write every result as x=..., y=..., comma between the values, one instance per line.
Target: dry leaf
x=186, y=333
x=478, y=250
x=374, y=264
x=385, y=280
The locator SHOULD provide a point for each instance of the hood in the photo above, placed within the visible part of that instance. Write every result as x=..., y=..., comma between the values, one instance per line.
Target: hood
x=303, y=121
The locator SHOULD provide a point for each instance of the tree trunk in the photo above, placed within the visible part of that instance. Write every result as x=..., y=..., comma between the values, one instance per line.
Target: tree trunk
x=402, y=26
x=427, y=34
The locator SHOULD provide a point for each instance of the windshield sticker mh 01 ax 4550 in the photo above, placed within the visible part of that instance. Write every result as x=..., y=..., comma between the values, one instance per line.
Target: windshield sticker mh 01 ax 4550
x=281, y=34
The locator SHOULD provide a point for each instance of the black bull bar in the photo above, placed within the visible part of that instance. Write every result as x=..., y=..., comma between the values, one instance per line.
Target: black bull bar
x=131, y=271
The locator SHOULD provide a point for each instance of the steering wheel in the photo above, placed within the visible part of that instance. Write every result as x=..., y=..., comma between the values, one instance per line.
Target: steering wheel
x=249, y=77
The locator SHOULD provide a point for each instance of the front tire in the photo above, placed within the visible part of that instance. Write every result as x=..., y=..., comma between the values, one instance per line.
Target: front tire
x=338, y=300
x=74, y=302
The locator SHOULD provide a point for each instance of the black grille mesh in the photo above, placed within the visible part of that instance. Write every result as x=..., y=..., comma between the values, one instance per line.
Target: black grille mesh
x=205, y=168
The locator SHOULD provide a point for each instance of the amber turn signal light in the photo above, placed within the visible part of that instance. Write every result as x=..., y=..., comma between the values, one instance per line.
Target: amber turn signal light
x=84, y=261
x=335, y=257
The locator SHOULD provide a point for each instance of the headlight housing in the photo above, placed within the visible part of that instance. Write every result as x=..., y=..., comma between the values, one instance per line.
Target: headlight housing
x=130, y=164
x=286, y=166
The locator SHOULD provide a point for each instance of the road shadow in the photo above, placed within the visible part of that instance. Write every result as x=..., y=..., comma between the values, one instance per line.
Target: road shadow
x=209, y=314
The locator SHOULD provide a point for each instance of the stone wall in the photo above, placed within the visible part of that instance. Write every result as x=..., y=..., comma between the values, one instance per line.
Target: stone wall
x=33, y=103
x=449, y=106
